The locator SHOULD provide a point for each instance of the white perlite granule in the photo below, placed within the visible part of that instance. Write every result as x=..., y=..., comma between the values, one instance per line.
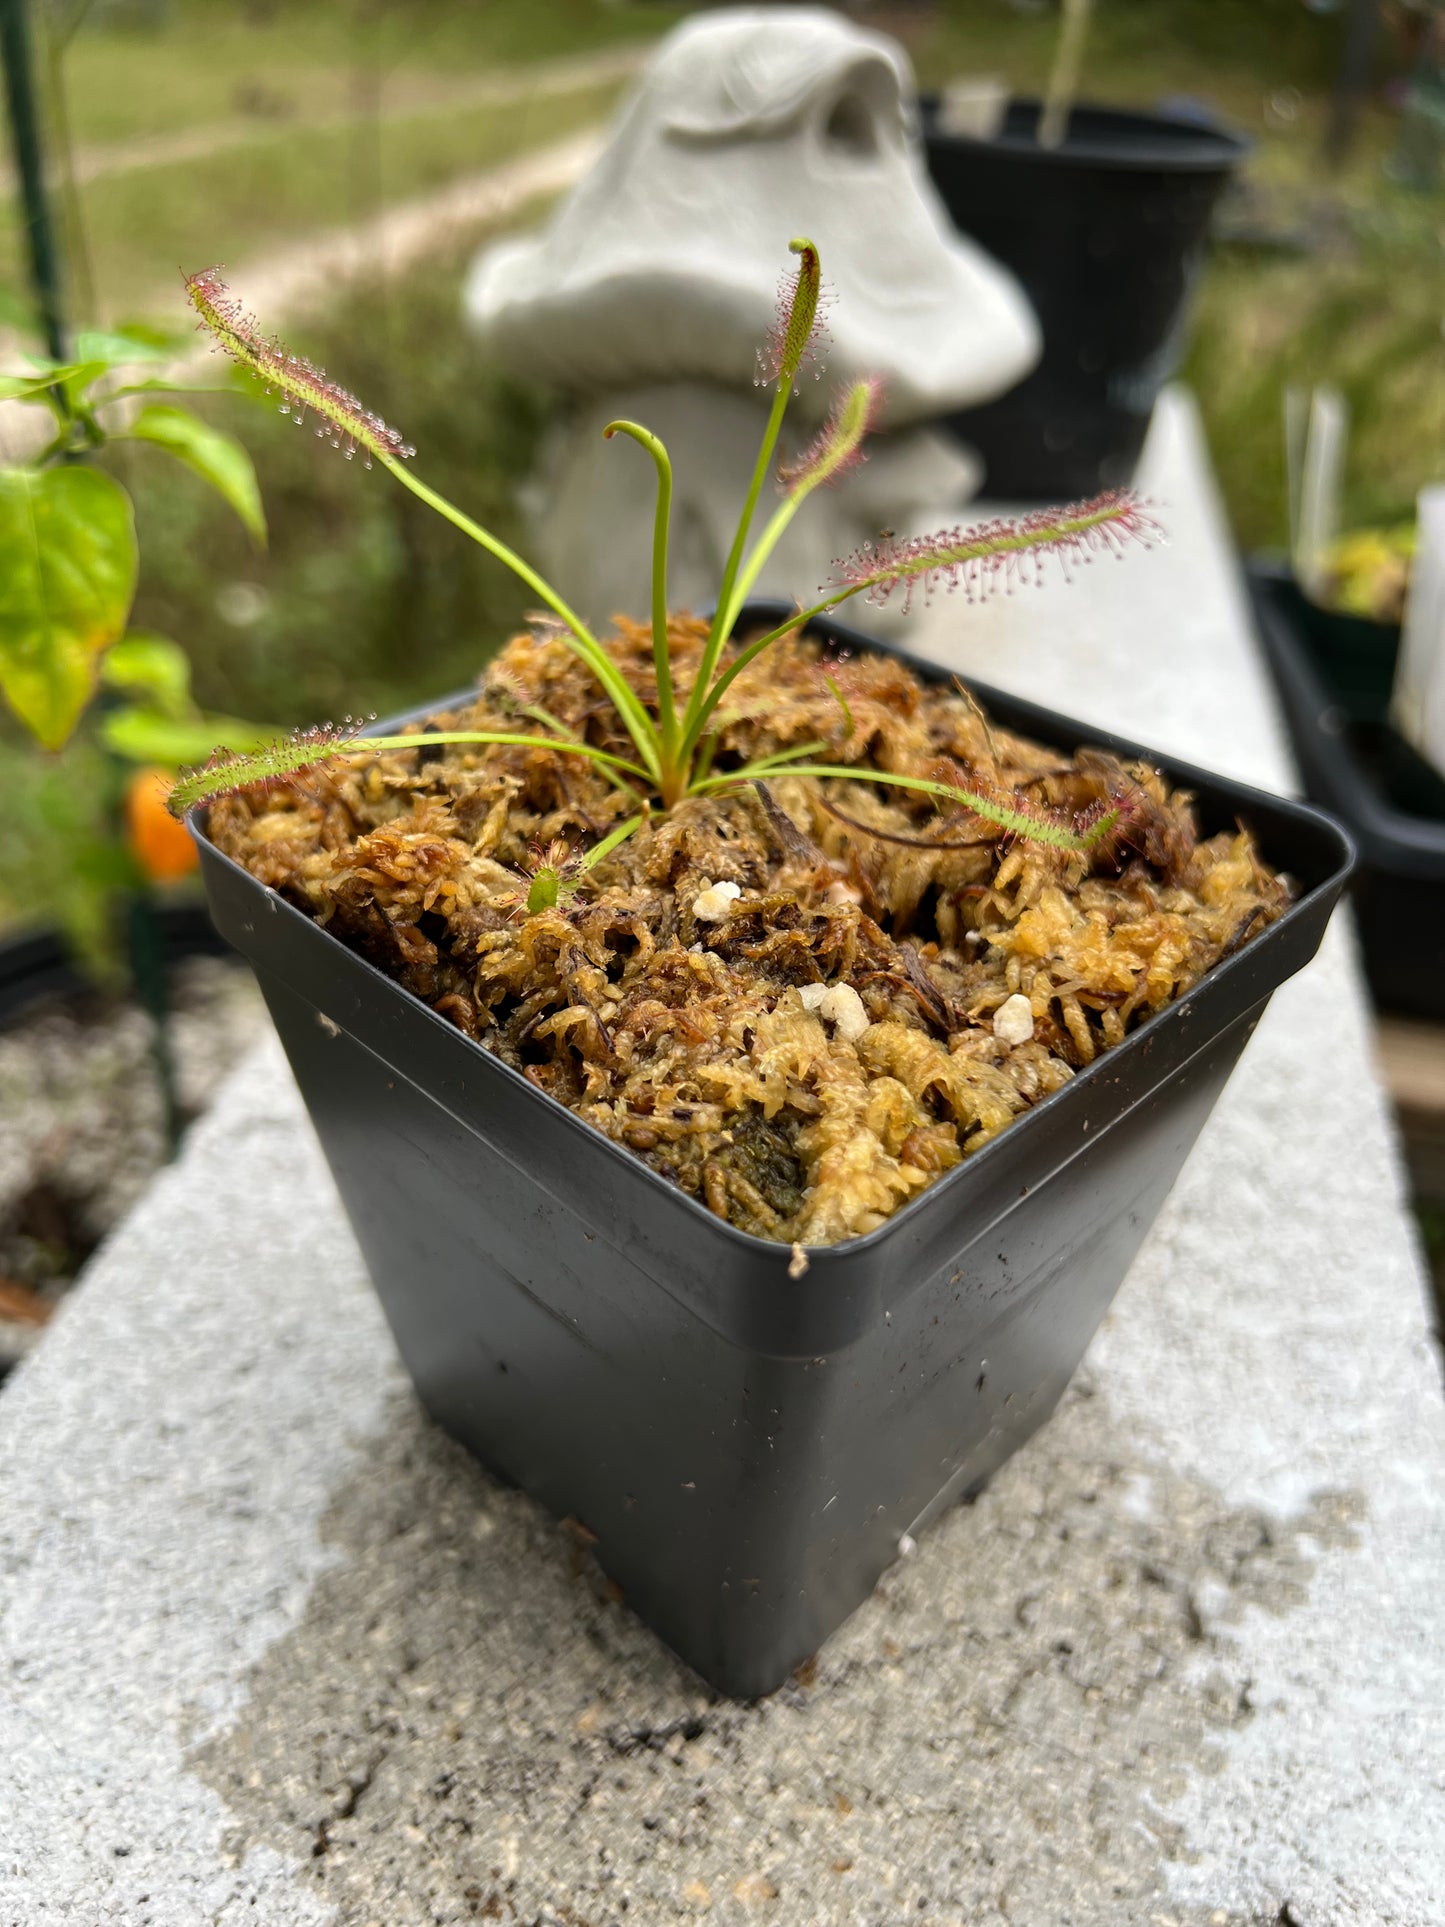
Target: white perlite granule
x=842, y=1007
x=1013, y=1021
x=714, y=902
x=838, y=1005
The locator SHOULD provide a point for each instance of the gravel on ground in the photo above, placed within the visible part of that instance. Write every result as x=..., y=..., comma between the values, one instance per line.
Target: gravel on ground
x=82, y=1123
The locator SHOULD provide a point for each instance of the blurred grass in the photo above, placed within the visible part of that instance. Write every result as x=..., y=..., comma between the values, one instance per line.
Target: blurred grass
x=231, y=206
x=134, y=69
x=1234, y=51
x=318, y=113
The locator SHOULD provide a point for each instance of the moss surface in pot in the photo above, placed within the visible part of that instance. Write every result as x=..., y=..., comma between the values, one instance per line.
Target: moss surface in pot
x=801, y=932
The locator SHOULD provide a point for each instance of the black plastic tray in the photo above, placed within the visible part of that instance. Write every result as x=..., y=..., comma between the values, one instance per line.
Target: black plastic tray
x=1355, y=765
x=748, y=1446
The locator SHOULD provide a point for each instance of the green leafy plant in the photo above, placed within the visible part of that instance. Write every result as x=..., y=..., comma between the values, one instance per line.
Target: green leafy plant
x=69, y=556
x=675, y=738
x=85, y=798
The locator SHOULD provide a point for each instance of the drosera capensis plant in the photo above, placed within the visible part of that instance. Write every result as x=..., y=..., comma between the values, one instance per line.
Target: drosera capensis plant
x=674, y=741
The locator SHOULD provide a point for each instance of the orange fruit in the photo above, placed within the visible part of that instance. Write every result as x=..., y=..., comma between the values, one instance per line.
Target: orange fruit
x=160, y=845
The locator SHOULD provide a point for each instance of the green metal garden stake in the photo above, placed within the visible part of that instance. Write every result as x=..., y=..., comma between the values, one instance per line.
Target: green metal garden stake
x=21, y=100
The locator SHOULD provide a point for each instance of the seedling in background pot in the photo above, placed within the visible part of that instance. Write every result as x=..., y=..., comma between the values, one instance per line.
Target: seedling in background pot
x=674, y=735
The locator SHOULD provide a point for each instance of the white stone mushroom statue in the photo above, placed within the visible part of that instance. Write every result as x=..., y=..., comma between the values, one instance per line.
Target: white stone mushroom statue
x=649, y=293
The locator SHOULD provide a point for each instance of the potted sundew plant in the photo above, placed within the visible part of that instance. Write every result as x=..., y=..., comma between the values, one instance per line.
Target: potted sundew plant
x=749, y=1060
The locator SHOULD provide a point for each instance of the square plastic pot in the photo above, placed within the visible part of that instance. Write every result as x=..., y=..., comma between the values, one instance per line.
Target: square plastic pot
x=748, y=1445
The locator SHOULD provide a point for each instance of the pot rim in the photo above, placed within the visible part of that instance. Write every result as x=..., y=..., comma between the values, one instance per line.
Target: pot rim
x=1114, y=139
x=964, y=1175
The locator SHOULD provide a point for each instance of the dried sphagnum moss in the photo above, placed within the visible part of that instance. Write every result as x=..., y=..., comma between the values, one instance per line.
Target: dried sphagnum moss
x=679, y=1027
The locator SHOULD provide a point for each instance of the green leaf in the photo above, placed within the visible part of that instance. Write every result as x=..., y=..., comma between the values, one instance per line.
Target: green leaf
x=215, y=456
x=153, y=667
x=67, y=575
x=95, y=355
x=47, y=377
x=148, y=736
x=162, y=385
x=120, y=349
x=24, y=387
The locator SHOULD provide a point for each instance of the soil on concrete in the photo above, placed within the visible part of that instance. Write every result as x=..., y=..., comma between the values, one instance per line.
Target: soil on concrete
x=467, y=1725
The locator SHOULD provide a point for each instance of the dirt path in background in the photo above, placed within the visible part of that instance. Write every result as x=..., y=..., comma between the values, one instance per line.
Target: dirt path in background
x=300, y=277
x=407, y=96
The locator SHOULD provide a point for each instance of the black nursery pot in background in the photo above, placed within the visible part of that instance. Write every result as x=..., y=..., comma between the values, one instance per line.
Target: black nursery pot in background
x=1106, y=233
x=748, y=1437
x=1334, y=674
x=36, y=965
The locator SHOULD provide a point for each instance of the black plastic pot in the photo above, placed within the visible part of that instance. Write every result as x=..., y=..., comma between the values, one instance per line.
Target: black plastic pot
x=1334, y=686
x=749, y=1446
x=1355, y=657
x=1106, y=233
x=36, y=964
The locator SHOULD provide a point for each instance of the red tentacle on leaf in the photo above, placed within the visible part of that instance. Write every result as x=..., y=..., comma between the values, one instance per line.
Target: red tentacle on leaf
x=1001, y=553
x=305, y=389
x=839, y=446
x=797, y=337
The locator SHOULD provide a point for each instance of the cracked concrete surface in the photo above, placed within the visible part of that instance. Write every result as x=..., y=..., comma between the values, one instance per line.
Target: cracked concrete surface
x=274, y=1652
x=500, y=1740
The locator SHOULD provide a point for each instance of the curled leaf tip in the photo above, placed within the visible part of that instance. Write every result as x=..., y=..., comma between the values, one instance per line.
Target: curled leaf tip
x=796, y=338
x=1001, y=553
x=304, y=389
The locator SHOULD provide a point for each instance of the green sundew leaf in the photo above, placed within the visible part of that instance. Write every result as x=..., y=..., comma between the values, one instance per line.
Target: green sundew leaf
x=146, y=736
x=67, y=575
x=610, y=842
x=546, y=890
x=216, y=457
x=153, y=667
